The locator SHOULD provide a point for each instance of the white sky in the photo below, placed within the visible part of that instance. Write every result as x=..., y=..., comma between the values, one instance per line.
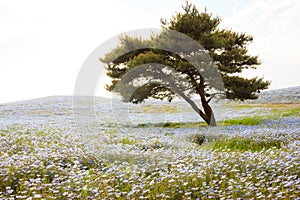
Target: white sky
x=44, y=43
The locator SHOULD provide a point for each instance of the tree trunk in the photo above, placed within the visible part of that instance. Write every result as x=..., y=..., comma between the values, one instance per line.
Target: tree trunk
x=211, y=121
x=207, y=115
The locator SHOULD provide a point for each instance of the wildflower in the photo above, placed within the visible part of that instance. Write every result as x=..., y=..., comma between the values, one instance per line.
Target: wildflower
x=151, y=182
x=37, y=196
x=9, y=191
x=187, y=193
x=171, y=181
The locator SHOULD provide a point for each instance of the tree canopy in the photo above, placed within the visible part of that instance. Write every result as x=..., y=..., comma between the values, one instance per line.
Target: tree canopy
x=191, y=63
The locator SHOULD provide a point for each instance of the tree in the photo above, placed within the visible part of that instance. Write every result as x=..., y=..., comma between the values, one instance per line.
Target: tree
x=228, y=50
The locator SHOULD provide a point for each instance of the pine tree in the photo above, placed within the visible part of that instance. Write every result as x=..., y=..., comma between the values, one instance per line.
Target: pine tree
x=228, y=50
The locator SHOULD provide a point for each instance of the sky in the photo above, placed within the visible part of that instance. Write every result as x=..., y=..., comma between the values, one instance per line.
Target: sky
x=43, y=44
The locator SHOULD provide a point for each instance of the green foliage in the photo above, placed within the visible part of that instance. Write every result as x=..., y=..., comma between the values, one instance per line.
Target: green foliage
x=245, y=144
x=272, y=114
x=126, y=141
x=286, y=113
x=246, y=121
x=228, y=49
x=169, y=134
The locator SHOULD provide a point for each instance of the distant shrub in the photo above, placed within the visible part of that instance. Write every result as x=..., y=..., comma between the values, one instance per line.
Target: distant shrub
x=198, y=138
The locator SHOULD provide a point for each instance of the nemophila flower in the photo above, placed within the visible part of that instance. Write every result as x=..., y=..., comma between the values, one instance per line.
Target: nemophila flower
x=187, y=193
x=188, y=165
x=37, y=196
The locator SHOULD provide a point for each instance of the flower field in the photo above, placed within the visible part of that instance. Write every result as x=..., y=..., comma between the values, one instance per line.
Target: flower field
x=46, y=158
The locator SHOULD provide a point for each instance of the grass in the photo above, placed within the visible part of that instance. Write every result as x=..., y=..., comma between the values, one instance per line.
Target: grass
x=273, y=112
x=267, y=105
x=286, y=112
x=245, y=144
x=276, y=112
x=127, y=141
x=246, y=121
x=160, y=109
x=235, y=143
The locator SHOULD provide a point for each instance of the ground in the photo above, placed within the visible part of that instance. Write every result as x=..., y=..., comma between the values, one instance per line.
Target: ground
x=149, y=151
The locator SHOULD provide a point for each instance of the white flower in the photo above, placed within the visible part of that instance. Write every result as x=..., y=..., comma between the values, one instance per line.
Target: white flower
x=9, y=191
x=151, y=182
x=37, y=196
x=171, y=181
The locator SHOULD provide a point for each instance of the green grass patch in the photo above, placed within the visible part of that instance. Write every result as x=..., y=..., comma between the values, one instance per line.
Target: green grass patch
x=245, y=144
x=267, y=105
x=246, y=121
x=270, y=112
x=128, y=141
x=286, y=112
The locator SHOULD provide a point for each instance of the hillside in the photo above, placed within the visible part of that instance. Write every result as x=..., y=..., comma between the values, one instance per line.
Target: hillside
x=285, y=95
x=57, y=111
